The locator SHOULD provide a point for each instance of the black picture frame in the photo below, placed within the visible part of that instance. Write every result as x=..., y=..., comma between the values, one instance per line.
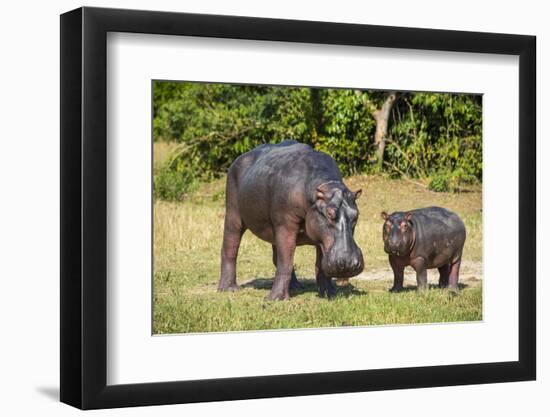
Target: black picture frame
x=84, y=207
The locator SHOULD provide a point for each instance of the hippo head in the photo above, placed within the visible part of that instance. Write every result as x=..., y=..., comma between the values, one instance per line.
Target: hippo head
x=330, y=222
x=398, y=233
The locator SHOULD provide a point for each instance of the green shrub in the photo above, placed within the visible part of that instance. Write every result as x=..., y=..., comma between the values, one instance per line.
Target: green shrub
x=431, y=136
x=450, y=181
x=171, y=184
x=439, y=183
x=434, y=134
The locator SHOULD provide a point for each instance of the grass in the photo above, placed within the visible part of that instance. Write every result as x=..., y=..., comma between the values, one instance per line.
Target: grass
x=187, y=242
x=162, y=151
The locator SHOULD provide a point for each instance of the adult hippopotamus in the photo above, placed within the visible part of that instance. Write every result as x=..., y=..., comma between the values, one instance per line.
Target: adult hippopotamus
x=289, y=194
x=425, y=238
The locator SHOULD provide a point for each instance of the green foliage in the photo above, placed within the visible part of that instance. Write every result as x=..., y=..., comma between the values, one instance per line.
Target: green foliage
x=430, y=135
x=347, y=130
x=450, y=180
x=437, y=135
x=439, y=183
x=173, y=184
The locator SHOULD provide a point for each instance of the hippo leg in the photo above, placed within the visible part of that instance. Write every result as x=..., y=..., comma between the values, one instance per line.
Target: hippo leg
x=398, y=273
x=324, y=283
x=294, y=283
x=230, y=249
x=422, y=280
x=453, y=275
x=419, y=265
x=286, y=244
x=233, y=230
x=444, y=275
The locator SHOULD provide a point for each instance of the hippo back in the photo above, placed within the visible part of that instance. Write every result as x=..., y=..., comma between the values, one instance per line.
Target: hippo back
x=437, y=229
x=285, y=165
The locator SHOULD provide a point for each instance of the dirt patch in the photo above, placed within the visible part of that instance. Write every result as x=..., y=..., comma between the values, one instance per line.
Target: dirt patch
x=469, y=271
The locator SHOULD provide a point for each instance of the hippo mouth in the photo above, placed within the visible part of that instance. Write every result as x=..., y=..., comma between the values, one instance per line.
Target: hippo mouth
x=342, y=266
x=394, y=252
x=344, y=274
x=343, y=271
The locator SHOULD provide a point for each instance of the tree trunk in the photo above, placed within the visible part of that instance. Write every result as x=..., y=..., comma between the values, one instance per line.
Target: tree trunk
x=315, y=114
x=381, y=117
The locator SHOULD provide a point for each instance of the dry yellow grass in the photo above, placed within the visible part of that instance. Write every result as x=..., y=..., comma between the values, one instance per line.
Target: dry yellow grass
x=162, y=152
x=187, y=243
x=195, y=227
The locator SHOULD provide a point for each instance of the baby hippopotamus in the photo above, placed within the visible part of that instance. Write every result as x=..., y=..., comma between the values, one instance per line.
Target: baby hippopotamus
x=431, y=237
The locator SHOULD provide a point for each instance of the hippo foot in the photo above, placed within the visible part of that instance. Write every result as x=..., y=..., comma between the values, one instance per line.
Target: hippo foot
x=276, y=296
x=229, y=288
x=323, y=294
x=327, y=292
x=395, y=289
x=296, y=285
x=453, y=289
x=331, y=294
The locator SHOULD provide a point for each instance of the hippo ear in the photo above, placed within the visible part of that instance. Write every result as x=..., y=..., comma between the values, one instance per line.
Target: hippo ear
x=320, y=195
x=384, y=215
x=408, y=216
x=322, y=192
x=357, y=194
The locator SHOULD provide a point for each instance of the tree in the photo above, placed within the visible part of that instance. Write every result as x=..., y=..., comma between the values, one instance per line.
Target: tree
x=429, y=136
x=381, y=117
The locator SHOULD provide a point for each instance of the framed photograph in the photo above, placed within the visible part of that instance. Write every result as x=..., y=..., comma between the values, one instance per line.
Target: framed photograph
x=257, y=208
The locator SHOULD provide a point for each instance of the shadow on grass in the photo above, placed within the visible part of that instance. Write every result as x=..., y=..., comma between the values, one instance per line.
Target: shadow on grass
x=308, y=285
x=407, y=288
